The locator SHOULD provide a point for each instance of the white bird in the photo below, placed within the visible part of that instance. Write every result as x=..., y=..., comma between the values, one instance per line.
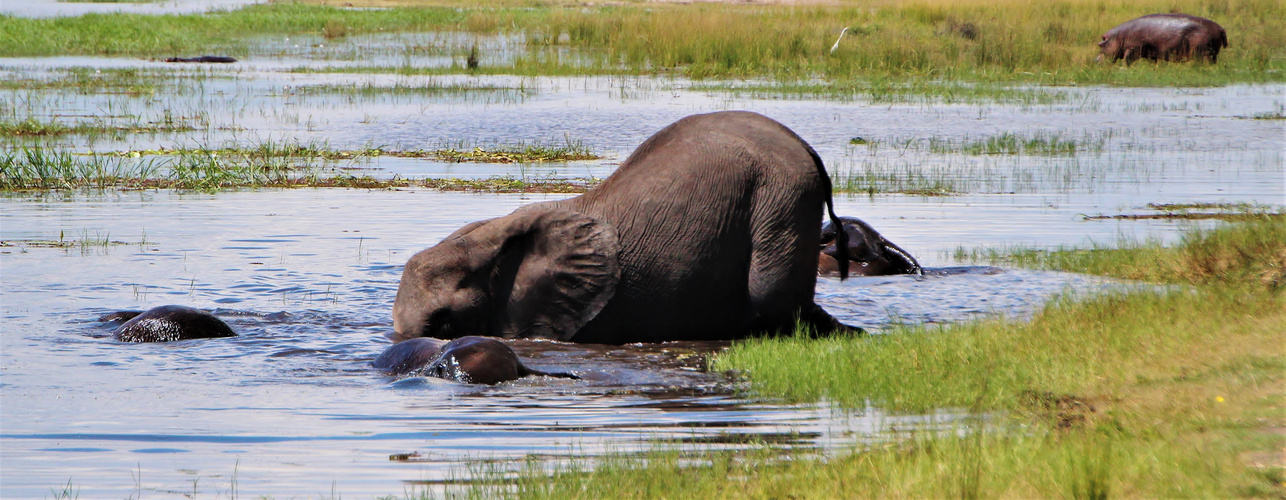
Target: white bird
x=841, y=37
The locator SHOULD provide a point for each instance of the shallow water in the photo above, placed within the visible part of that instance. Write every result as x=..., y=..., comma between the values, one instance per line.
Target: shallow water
x=308, y=276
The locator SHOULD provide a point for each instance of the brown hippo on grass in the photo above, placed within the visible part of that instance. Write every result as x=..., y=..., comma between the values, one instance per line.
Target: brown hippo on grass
x=1175, y=37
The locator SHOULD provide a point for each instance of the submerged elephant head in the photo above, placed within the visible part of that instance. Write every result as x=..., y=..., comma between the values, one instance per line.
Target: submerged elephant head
x=867, y=248
x=538, y=272
x=168, y=323
x=470, y=360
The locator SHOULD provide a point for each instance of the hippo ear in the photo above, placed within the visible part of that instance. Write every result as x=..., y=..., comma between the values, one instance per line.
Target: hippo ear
x=553, y=272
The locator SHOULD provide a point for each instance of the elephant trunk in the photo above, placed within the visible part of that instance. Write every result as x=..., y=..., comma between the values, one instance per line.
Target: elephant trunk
x=915, y=264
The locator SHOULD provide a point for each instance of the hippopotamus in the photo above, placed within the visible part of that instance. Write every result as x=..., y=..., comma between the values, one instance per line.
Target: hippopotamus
x=871, y=254
x=202, y=59
x=166, y=324
x=1164, y=36
x=470, y=360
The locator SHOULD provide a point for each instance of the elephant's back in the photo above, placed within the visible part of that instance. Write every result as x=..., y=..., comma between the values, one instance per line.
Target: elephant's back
x=686, y=204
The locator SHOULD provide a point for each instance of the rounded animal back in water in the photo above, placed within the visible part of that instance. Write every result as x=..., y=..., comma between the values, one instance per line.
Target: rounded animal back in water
x=477, y=360
x=170, y=323
x=409, y=355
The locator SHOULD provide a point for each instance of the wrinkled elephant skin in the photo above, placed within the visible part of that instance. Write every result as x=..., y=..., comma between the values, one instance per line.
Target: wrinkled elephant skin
x=706, y=232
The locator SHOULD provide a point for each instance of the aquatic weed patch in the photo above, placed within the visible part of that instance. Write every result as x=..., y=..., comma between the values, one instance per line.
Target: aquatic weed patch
x=457, y=153
x=42, y=169
x=32, y=127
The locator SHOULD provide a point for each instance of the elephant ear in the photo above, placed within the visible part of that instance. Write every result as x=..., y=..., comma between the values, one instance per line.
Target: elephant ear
x=554, y=271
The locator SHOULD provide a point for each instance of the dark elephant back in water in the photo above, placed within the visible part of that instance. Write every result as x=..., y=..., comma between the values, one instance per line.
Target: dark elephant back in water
x=1165, y=37
x=707, y=231
x=170, y=323
x=471, y=360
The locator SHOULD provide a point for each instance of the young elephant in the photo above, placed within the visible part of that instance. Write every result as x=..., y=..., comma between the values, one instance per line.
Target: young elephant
x=867, y=248
x=168, y=323
x=1164, y=36
x=707, y=231
x=470, y=360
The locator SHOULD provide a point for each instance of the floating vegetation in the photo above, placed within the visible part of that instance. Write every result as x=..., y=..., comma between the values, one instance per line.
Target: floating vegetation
x=1201, y=211
x=886, y=90
x=429, y=87
x=459, y=153
x=1009, y=143
x=32, y=127
x=871, y=179
x=37, y=168
x=126, y=81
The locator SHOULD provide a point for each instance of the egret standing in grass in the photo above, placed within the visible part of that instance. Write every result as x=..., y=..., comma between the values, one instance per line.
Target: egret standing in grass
x=841, y=37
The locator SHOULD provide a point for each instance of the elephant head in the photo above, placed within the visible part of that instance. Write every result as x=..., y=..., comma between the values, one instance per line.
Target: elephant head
x=538, y=272
x=874, y=255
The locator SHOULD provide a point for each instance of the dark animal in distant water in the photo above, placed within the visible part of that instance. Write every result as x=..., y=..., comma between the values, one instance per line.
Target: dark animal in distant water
x=867, y=250
x=168, y=323
x=202, y=59
x=1176, y=37
x=471, y=360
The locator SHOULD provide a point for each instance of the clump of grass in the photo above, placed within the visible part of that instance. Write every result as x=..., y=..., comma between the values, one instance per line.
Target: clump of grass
x=571, y=150
x=38, y=168
x=31, y=127
x=430, y=87
x=519, y=153
x=335, y=28
x=1009, y=143
x=873, y=178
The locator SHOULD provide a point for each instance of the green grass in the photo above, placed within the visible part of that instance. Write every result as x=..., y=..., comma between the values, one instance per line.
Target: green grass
x=31, y=127
x=1171, y=392
x=458, y=152
x=1051, y=43
x=43, y=169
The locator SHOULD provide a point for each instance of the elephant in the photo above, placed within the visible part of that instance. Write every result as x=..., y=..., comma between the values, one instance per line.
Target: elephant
x=867, y=248
x=471, y=360
x=1164, y=36
x=166, y=324
x=202, y=59
x=707, y=231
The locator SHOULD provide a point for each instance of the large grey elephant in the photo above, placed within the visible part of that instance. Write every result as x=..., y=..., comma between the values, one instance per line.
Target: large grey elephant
x=707, y=231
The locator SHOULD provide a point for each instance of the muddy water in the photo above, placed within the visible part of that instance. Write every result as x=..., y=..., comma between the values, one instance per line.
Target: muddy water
x=308, y=276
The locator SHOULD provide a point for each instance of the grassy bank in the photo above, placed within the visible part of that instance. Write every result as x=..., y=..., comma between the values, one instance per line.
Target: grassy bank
x=924, y=41
x=1141, y=393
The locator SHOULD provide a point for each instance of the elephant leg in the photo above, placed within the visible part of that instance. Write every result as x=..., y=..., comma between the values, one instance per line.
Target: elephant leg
x=822, y=323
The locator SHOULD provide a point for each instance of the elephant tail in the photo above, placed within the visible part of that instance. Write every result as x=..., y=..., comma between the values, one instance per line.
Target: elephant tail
x=841, y=236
